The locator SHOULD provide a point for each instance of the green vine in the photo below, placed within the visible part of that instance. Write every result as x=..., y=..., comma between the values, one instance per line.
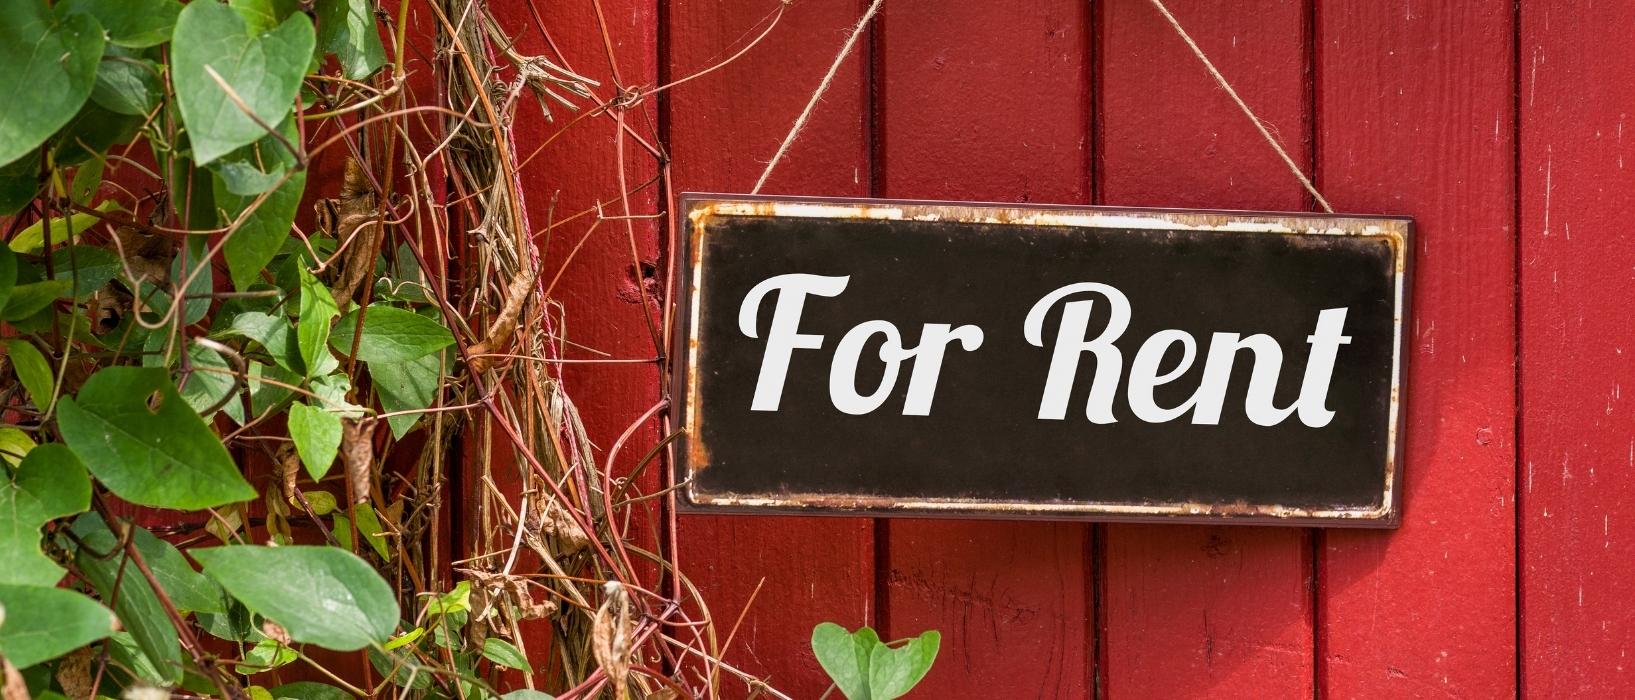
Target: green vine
x=268, y=392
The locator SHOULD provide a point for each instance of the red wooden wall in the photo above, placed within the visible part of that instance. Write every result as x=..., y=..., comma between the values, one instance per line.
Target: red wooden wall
x=1498, y=126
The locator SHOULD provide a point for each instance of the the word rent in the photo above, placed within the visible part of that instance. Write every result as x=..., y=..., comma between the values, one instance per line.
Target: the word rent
x=1073, y=339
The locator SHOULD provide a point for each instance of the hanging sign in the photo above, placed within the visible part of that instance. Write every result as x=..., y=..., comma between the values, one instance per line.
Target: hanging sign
x=921, y=358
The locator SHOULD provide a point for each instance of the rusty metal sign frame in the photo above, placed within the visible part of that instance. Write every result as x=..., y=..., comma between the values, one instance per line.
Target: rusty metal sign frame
x=696, y=211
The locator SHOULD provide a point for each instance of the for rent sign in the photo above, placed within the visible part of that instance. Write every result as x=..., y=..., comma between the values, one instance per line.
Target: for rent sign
x=927, y=358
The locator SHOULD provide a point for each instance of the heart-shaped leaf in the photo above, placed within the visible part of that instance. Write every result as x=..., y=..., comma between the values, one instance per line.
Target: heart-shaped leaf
x=29, y=299
x=261, y=232
x=32, y=370
x=135, y=601
x=312, y=329
x=256, y=168
x=406, y=386
x=390, y=334
x=845, y=657
x=49, y=56
x=145, y=444
x=320, y=595
x=505, y=654
x=127, y=83
x=317, y=436
x=43, y=623
x=88, y=267
x=132, y=23
x=894, y=672
x=49, y=483
x=346, y=28
x=262, y=69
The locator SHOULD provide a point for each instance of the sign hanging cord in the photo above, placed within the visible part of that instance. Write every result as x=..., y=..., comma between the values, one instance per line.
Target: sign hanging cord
x=800, y=122
x=1259, y=125
x=874, y=7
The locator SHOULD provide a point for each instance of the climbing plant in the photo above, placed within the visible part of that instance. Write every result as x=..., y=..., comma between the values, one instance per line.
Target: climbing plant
x=261, y=286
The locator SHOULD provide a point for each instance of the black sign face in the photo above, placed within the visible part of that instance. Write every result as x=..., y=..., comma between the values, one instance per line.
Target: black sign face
x=916, y=358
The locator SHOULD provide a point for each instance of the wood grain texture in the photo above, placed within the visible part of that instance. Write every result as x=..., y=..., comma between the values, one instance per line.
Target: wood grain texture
x=1204, y=611
x=1578, y=349
x=723, y=128
x=1415, y=116
x=988, y=101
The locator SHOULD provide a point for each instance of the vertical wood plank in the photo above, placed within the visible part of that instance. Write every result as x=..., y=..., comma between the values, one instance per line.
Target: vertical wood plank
x=1578, y=349
x=1416, y=116
x=723, y=128
x=601, y=288
x=1205, y=611
x=988, y=101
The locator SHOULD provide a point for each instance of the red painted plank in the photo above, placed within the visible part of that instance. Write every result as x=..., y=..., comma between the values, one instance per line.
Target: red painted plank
x=601, y=289
x=723, y=128
x=1194, y=611
x=1578, y=349
x=989, y=100
x=1415, y=111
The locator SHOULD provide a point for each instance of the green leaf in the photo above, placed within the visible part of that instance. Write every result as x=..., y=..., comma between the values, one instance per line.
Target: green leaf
x=273, y=334
x=190, y=590
x=331, y=391
x=317, y=436
x=845, y=657
x=505, y=654
x=307, y=690
x=374, y=534
x=127, y=84
x=407, y=386
x=19, y=182
x=210, y=383
x=48, y=59
x=321, y=502
x=14, y=445
x=390, y=334
x=103, y=563
x=455, y=601
x=31, y=240
x=87, y=179
x=317, y=308
x=405, y=639
x=526, y=694
x=32, y=298
x=236, y=625
x=258, y=167
x=145, y=444
x=8, y=274
x=43, y=623
x=132, y=23
x=320, y=595
x=894, y=672
x=262, y=15
x=91, y=133
x=32, y=370
x=266, y=655
x=126, y=654
x=260, y=233
x=346, y=28
x=403, y=670
x=50, y=483
x=190, y=186
x=263, y=69
x=196, y=298
x=88, y=267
